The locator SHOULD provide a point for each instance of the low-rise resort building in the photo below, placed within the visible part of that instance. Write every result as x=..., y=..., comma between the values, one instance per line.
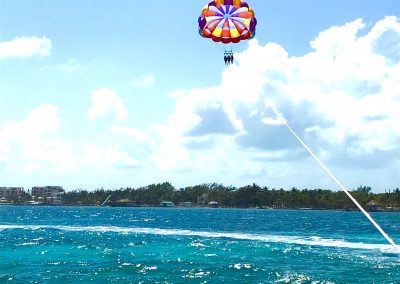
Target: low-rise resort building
x=48, y=194
x=9, y=192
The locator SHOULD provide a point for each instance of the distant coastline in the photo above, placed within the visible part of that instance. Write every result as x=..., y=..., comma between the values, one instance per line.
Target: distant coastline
x=396, y=210
x=217, y=196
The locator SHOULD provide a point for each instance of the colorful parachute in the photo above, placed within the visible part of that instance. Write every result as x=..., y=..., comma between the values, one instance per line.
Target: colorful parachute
x=227, y=21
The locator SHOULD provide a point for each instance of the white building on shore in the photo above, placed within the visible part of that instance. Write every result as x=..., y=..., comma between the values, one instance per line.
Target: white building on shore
x=49, y=194
x=9, y=192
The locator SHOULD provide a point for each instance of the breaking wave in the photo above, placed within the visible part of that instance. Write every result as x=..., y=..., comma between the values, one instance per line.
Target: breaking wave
x=306, y=241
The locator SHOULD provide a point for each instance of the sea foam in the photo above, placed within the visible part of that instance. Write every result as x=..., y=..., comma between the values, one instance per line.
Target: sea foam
x=299, y=240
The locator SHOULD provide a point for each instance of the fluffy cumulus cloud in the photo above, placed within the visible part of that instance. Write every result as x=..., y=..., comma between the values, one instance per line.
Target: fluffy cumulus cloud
x=105, y=101
x=36, y=145
x=33, y=142
x=25, y=47
x=29, y=133
x=342, y=97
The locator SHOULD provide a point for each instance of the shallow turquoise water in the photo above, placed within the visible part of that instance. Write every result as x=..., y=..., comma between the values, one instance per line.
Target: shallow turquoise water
x=160, y=245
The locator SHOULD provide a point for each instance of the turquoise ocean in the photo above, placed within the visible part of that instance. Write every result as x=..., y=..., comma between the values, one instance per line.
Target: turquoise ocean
x=199, y=245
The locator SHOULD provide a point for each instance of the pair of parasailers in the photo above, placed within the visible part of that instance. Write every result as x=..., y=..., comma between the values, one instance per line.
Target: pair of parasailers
x=228, y=58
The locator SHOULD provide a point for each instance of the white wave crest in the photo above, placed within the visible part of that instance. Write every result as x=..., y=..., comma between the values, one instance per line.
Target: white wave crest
x=307, y=241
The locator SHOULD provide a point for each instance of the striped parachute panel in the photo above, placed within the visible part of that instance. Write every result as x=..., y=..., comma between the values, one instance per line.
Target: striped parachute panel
x=227, y=21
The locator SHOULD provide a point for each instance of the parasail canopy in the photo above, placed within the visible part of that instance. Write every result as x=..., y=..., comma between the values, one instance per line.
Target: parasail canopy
x=227, y=21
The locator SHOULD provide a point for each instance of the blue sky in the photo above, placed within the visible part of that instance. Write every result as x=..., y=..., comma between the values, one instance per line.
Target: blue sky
x=103, y=94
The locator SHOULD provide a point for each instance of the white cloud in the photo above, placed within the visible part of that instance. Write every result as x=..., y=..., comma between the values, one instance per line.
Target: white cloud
x=34, y=143
x=25, y=47
x=133, y=133
x=123, y=159
x=176, y=93
x=30, y=132
x=342, y=98
x=53, y=151
x=337, y=40
x=137, y=144
x=105, y=101
x=110, y=157
x=34, y=146
x=144, y=81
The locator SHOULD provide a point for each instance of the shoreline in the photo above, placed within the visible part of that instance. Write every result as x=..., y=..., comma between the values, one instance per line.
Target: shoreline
x=195, y=207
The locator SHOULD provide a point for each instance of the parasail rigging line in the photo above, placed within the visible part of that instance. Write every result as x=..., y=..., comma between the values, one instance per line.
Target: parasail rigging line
x=379, y=228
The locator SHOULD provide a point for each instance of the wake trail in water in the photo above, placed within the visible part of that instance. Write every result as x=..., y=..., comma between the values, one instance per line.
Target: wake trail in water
x=298, y=240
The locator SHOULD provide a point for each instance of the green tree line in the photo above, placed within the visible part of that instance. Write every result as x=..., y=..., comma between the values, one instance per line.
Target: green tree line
x=230, y=196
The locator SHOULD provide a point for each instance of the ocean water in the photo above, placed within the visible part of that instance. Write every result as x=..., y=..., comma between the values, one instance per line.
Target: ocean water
x=175, y=245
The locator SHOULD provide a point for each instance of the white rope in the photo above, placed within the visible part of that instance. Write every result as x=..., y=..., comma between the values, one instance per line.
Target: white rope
x=386, y=236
